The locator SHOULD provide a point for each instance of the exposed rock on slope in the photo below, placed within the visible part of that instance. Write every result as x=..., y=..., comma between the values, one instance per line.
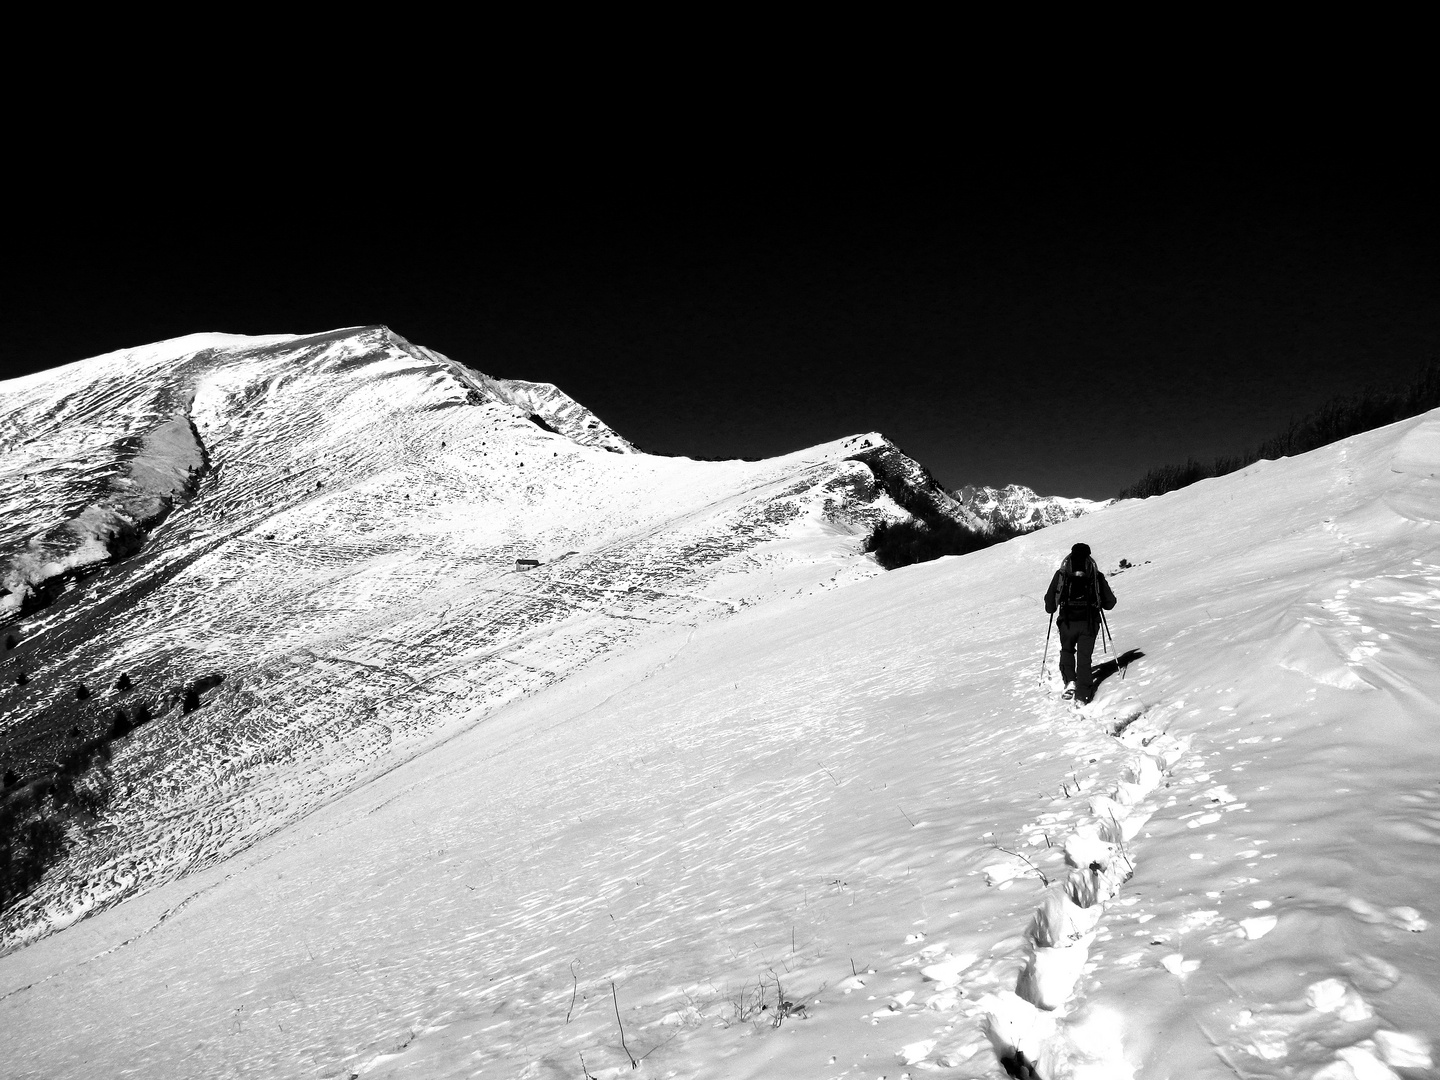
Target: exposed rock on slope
x=162, y=472
x=912, y=487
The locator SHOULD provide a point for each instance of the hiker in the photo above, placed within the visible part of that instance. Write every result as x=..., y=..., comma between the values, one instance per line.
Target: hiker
x=1077, y=593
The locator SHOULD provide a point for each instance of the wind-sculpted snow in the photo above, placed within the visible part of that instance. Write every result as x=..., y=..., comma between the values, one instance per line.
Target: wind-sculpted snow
x=838, y=833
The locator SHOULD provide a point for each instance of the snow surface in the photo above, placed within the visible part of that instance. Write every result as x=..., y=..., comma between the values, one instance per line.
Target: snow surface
x=851, y=799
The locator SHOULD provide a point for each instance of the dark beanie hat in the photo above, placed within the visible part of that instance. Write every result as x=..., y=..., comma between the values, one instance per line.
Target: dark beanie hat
x=1080, y=551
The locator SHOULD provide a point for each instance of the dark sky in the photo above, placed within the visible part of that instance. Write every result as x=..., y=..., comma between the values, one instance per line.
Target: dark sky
x=1064, y=315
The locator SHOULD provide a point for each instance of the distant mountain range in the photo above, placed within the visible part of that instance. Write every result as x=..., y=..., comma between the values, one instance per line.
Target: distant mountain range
x=1019, y=507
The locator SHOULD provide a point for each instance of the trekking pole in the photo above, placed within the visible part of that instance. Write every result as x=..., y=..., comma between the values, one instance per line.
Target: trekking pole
x=1106, y=625
x=1046, y=654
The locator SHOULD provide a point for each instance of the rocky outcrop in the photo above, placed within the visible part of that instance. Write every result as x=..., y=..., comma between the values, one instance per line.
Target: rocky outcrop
x=912, y=486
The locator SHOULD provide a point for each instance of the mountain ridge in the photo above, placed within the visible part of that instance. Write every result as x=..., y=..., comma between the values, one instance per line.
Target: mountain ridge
x=357, y=494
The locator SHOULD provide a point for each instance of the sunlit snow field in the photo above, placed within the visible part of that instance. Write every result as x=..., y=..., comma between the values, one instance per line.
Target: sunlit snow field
x=347, y=565
x=807, y=802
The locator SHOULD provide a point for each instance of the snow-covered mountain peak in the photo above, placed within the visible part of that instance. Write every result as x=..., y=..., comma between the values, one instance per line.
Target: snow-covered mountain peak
x=278, y=510
x=73, y=434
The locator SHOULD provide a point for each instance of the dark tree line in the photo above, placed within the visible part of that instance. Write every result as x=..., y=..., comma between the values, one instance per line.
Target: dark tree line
x=1337, y=419
x=902, y=543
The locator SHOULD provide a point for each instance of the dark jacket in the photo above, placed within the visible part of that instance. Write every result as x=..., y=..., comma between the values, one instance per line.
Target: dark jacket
x=1102, y=588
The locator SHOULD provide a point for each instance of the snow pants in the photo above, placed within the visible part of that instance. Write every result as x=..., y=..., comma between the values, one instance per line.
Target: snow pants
x=1077, y=646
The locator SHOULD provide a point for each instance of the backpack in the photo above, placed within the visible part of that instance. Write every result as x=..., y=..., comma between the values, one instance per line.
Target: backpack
x=1077, y=600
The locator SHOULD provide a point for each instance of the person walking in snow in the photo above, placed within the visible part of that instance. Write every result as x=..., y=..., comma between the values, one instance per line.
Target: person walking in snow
x=1077, y=593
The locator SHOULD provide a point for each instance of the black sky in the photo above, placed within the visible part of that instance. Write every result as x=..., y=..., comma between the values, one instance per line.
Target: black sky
x=1060, y=313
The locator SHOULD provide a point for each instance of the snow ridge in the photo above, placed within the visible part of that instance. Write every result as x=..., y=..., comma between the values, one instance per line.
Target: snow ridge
x=913, y=487
x=560, y=412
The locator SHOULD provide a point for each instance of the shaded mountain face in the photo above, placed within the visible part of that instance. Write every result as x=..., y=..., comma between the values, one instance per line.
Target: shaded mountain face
x=1018, y=507
x=298, y=560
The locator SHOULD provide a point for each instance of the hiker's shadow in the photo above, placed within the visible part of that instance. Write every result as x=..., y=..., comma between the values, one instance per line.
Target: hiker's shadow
x=1099, y=673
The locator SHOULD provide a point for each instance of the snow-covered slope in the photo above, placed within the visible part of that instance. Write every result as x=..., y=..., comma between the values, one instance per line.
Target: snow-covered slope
x=1019, y=507
x=852, y=801
x=327, y=564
